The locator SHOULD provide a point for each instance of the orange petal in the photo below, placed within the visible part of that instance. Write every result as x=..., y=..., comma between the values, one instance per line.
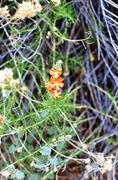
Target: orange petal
x=58, y=82
x=55, y=72
x=50, y=87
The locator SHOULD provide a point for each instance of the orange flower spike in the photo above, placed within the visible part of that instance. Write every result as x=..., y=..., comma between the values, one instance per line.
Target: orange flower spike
x=57, y=82
x=55, y=73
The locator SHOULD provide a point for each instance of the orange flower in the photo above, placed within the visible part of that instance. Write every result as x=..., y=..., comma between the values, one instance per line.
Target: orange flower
x=57, y=82
x=50, y=87
x=55, y=72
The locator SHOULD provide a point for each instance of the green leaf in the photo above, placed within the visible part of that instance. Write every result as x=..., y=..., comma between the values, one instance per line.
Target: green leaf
x=44, y=113
x=65, y=138
x=41, y=162
x=45, y=150
x=52, y=130
x=12, y=149
x=50, y=176
x=54, y=161
x=19, y=175
x=34, y=176
x=59, y=145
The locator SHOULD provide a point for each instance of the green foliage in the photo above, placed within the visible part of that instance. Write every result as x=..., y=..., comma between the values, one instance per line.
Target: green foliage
x=45, y=150
x=111, y=141
x=64, y=10
x=15, y=173
x=34, y=176
x=39, y=134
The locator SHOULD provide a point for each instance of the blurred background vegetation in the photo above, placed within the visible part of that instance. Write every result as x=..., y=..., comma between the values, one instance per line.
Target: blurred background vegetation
x=74, y=137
